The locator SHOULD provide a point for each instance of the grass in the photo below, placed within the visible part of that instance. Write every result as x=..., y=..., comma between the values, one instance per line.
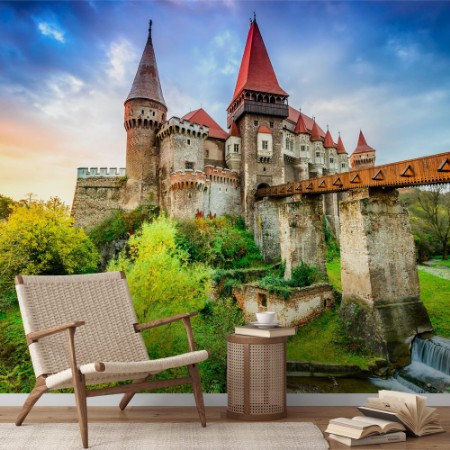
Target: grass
x=435, y=294
x=441, y=263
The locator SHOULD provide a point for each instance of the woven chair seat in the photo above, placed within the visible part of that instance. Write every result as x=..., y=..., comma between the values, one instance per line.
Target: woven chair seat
x=118, y=371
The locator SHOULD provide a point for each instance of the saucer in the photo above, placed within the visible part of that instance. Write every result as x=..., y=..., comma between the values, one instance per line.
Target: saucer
x=265, y=325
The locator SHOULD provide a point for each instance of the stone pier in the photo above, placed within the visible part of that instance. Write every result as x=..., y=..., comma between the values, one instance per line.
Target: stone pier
x=301, y=232
x=381, y=304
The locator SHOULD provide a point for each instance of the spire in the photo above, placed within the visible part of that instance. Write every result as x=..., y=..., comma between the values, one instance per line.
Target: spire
x=146, y=83
x=362, y=146
x=328, y=141
x=315, y=133
x=301, y=126
x=340, y=146
x=256, y=72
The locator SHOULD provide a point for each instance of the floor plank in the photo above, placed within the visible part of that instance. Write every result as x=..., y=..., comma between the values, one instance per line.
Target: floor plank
x=319, y=415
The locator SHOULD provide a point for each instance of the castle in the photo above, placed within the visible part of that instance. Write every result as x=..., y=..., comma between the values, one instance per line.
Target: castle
x=191, y=167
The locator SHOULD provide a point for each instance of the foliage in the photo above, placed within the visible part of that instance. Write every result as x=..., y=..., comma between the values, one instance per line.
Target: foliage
x=429, y=211
x=302, y=275
x=220, y=242
x=39, y=238
x=334, y=274
x=16, y=371
x=121, y=223
x=435, y=294
x=161, y=282
x=217, y=319
x=6, y=207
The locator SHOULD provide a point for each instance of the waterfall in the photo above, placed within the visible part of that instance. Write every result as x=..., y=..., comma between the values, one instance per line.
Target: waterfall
x=429, y=370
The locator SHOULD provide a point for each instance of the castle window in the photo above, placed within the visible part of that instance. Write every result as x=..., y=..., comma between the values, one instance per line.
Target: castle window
x=142, y=111
x=265, y=145
x=229, y=148
x=343, y=165
x=271, y=124
x=256, y=123
x=317, y=154
x=302, y=148
x=188, y=142
x=331, y=160
x=236, y=148
x=207, y=153
x=153, y=113
x=189, y=165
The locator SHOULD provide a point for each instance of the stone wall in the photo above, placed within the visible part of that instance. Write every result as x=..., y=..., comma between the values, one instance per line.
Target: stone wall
x=301, y=233
x=266, y=228
x=304, y=304
x=96, y=198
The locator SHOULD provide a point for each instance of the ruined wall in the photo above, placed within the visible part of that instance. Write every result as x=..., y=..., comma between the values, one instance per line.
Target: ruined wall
x=214, y=152
x=301, y=232
x=304, y=304
x=97, y=194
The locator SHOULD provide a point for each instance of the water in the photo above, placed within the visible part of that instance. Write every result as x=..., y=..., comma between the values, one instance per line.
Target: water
x=429, y=370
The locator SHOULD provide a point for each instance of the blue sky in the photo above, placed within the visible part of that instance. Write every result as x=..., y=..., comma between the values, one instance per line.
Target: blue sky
x=67, y=67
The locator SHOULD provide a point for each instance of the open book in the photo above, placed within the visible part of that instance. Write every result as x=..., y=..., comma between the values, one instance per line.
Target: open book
x=362, y=426
x=398, y=436
x=406, y=408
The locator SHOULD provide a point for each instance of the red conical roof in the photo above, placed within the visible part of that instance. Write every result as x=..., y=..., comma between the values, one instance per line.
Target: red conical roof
x=256, y=72
x=300, y=127
x=340, y=147
x=315, y=133
x=201, y=117
x=362, y=146
x=328, y=141
x=146, y=82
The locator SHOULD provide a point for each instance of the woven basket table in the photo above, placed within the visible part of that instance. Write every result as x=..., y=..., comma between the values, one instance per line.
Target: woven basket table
x=256, y=377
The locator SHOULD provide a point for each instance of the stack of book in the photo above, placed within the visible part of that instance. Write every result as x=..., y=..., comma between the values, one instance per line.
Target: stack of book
x=387, y=418
x=264, y=331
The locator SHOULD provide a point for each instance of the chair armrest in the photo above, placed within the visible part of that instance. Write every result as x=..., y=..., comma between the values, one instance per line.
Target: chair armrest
x=156, y=323
x=34, y=336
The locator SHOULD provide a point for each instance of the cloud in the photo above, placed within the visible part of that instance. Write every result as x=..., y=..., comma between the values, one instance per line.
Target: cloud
x=51, y=30
x=121, y=55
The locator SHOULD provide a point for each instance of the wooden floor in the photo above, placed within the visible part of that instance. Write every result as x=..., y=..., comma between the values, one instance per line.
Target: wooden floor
x=318, y=415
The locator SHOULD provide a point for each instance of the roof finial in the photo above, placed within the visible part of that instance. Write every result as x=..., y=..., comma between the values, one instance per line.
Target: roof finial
x=150, y=30
x=254, y=16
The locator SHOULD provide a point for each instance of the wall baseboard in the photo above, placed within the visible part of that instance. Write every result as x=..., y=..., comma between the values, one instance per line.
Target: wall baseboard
x=210, y=400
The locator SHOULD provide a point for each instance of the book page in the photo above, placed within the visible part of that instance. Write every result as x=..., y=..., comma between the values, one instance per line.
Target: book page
x=383, y=424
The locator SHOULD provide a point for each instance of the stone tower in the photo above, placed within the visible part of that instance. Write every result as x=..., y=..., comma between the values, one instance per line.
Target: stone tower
x=258, y=108
x=364, y=155
x=145, y=112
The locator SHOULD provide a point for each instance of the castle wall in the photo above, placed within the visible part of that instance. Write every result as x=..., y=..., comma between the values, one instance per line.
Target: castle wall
x=266, y=228
x=224, y=193
x=214, y=152
x=97, y=195
x=187, y=193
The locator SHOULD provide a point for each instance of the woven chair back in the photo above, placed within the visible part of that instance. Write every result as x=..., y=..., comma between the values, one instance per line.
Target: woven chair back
x=101, y=300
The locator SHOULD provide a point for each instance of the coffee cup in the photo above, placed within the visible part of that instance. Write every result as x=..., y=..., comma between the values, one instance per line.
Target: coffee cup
x=265, y=317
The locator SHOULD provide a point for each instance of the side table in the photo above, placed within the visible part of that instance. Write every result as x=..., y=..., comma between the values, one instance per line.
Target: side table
x=256, y=377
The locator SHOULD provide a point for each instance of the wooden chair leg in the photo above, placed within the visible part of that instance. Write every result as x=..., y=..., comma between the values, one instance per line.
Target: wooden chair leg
x=80, y=397
x=129, y=395
x=39, y=389
x=198, y=394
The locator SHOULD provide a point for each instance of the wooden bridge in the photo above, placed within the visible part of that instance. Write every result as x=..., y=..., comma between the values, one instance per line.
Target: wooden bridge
x=433, y=169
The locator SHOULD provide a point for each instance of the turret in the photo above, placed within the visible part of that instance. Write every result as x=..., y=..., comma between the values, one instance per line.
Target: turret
x=364, y=155
x=145, y=112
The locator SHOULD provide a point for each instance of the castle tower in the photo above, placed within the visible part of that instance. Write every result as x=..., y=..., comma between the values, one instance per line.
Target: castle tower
x=364, y=155
x=145, y=112
x=258, y=108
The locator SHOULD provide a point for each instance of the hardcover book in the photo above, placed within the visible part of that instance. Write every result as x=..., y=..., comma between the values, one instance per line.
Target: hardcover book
x=252, y=330
x=388, y=438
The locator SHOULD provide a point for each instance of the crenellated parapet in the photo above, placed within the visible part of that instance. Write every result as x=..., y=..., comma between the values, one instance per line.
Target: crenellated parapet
x=95, y=172
x=188, y=179
x=225, y=176
x=176, y=125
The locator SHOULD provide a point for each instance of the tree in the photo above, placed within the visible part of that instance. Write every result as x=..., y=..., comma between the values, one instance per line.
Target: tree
x=6, y=207
x=430, y=217
x=39, y=238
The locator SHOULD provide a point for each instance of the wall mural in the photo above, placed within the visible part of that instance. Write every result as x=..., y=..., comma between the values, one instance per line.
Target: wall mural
x=270, y=213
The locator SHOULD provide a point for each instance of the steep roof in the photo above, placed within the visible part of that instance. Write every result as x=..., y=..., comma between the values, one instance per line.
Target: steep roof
x=362, y=146
x=328, y=141
x=201, y=117
x=340, y=147
x=300, y=127
x=256, y=72
x=315, y=133
x=294, y=115
x=146, y=83
x=234, y=131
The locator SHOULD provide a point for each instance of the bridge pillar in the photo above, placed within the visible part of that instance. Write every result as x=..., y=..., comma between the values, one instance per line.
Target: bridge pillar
x=381, y=305
x=266, y=229
x=301, y=232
